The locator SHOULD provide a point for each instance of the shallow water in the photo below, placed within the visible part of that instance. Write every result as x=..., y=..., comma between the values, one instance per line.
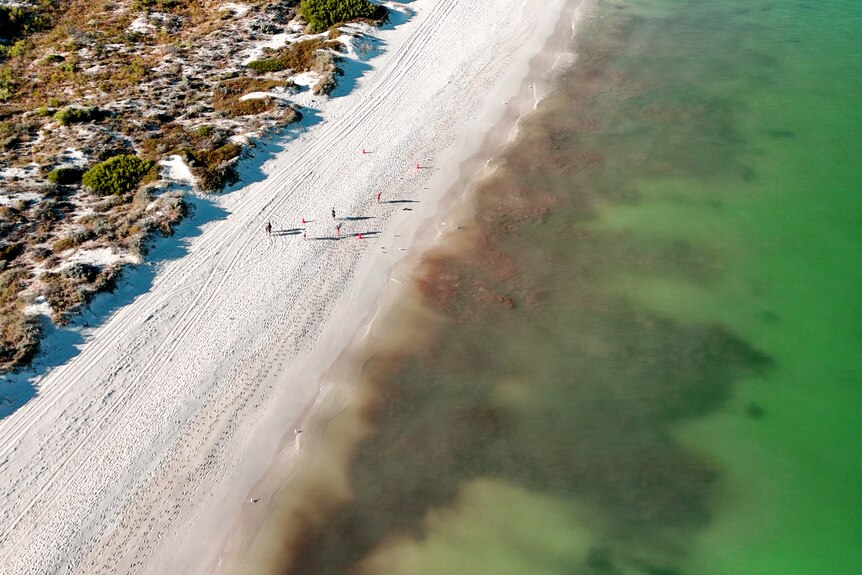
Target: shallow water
x=642, y=356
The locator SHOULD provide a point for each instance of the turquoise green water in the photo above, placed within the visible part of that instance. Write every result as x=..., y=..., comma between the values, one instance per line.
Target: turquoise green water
x=790, y=236
x=643, y=357
x=790, y=239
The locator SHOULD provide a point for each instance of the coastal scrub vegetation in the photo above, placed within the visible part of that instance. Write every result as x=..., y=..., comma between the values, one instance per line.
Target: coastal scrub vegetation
x=76, y=115
x=323, y=14
x=227, y=96
x=22, y=20
x=214, y=168
x=131, y=83
x=65, y=176
x=8, y=85
x=250, y=107
x=297, y=57
x=19, y=333
x=313, y=55
x=117, y=175
x=156, y=5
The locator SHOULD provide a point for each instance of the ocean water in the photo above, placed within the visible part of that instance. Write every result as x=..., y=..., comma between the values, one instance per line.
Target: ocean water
x=642, y=355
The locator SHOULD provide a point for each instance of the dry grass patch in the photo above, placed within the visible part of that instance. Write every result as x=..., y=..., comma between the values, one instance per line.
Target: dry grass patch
x=227, y=93
x=250, y=107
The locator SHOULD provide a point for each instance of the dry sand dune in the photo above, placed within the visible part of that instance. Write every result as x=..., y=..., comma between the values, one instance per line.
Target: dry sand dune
x=138, y=454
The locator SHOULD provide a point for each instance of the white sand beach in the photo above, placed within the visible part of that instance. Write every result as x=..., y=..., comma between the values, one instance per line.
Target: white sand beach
x=139, y=453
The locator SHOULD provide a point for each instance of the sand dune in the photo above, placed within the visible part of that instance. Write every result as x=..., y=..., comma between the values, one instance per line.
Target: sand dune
x=138, y=454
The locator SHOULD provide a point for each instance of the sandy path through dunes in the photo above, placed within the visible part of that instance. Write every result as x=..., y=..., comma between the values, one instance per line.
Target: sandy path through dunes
x=137, y=454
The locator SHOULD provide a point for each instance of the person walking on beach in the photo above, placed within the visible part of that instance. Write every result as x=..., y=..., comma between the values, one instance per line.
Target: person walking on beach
x=378, y=196
x=268, y=229
x=338, y=230
x=333, y=213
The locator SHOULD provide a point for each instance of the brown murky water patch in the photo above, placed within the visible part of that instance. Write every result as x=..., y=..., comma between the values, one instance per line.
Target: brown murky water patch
x=534, y=373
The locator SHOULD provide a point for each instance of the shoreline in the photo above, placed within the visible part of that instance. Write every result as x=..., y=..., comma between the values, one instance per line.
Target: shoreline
x=513, y=98
x=143, y=449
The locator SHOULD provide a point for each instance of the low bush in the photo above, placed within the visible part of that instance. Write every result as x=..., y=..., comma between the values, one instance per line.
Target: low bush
x=226, y=94
x=13, y=133
x=23, y=20
x=324, y=65
x=297, y=57
x=64, y=244
x=10, y=251
x=11, y=283
x=117, y=175
x=172, y=209
x=289, y=116
x=65, y=176
x=81, y=272
x=19, y=334
x=63, y=294
x=215, y=179
x=156, y=5
x=19, y=337
x=322, y=14
x=249, y=107
x=268, y=65
x=8, y=84
x=220, y=155
x=214, y=169
x=75, y=115
x=16, y=50
x=301, y=56
x=39, y=253
x=325, y=85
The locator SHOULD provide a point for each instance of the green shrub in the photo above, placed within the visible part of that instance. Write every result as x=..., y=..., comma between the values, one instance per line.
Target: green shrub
x=18, y=21
x=116, y=175
x=268, y=65
x=65, y=176
x=10, y=134
x=8, y=85
x=297, y=57
x=322, y=14
x=72, y=115
x=17, y=49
